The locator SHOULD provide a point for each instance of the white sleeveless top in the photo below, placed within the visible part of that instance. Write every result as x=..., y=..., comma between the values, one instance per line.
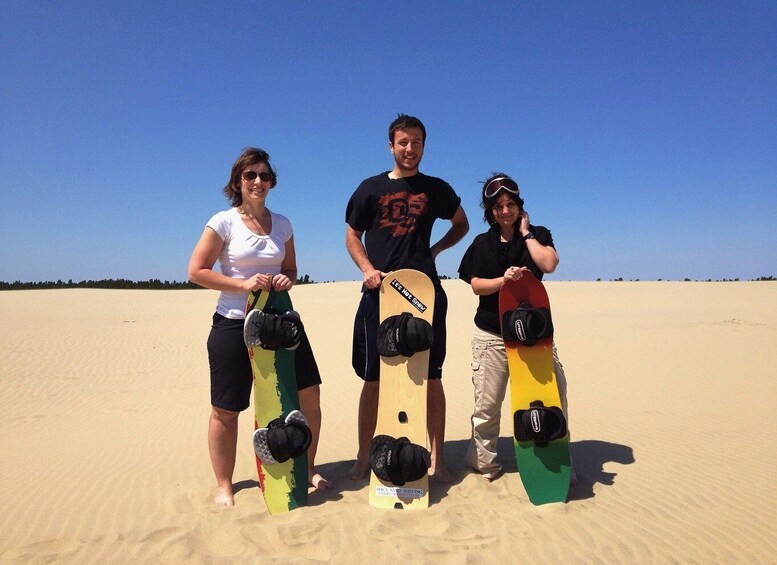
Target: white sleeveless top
x=246, y=254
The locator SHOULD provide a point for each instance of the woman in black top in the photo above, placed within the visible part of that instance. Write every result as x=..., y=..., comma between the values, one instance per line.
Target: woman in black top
x=510, y=248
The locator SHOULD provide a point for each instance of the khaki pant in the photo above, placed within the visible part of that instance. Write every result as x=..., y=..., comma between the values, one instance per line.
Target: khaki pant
x=490, y=378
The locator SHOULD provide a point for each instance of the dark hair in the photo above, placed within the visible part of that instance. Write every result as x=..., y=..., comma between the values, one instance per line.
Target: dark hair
x=404, y=121
x=498, y=180
x=249, y=156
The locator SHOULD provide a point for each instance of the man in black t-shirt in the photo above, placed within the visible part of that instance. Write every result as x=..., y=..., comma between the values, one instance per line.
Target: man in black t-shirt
x=395, y=211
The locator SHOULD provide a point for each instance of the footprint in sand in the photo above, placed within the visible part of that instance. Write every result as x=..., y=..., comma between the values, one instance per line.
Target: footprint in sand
x=28, y=419
x=43, y=551
x=188, y=502
x=170, y=544
x=163, y=535
x=300, y=534
x=738, y=322
x=217, y=542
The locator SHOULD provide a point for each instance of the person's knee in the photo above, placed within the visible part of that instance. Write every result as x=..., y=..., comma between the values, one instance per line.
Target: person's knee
x=310, y=404
x=310, y=394
x=223, y=416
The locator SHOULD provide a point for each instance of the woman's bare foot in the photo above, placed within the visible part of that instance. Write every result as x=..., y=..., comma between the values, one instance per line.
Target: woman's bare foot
x=224, y=496
x=318, y=481
x=359, y=470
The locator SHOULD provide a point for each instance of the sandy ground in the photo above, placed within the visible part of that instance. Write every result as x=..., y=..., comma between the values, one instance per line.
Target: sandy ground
x=105, y=400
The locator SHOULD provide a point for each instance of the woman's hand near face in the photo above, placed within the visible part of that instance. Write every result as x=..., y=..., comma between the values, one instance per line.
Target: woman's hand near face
x=523, y=219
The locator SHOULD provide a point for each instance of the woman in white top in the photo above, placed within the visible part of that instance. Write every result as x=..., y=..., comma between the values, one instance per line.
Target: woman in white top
x=255, y=250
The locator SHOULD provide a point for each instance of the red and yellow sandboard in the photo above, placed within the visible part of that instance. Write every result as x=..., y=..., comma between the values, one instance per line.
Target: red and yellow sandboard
x=284, y=485
x=402, y=392
x=545, y=470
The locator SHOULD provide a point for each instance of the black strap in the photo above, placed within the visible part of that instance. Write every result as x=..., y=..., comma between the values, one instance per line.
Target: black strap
x=539, y=424
x=256, y=295
x=277, y=438
x=270, y=299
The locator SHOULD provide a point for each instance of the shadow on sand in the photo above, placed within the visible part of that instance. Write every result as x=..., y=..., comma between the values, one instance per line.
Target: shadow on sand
x=334, y=472
x=337, y=473
x=588, y=457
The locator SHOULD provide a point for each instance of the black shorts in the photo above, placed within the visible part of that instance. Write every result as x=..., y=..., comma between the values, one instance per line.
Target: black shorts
x=231, y=377
x=365, y=336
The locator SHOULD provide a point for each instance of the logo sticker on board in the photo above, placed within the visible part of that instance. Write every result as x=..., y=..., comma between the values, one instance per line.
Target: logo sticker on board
x=409, y=296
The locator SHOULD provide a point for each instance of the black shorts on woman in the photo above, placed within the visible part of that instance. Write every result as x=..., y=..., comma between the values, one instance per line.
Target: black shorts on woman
x=231, y=377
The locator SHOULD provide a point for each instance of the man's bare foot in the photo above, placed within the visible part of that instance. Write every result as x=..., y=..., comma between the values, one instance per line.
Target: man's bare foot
x=359, y=470
x=441, y=474
x=318, y=481
x=224, y=496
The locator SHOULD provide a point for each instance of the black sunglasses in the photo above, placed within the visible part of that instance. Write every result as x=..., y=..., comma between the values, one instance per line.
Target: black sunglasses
x=251, y=176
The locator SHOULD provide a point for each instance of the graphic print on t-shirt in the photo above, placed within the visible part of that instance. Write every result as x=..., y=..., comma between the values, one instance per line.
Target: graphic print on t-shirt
x=400, y=211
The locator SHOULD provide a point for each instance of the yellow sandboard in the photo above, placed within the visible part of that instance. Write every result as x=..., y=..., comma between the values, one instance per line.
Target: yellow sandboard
x=544, y=470
x=402, y=393
x=284, y=485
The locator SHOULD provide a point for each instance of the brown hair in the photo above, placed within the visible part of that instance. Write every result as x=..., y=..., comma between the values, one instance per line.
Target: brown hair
x=498, y=180
x=249, y=156
x=402, y=122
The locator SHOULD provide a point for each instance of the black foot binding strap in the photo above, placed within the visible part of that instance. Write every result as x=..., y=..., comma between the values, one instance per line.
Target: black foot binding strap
x=272, y=331
x=404, y=335
x=526, y=324
x=282, y=440
x=397, y=460
x=539, y=424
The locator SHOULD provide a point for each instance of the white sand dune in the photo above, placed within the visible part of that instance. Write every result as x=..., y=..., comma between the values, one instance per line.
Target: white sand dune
x=105, y=398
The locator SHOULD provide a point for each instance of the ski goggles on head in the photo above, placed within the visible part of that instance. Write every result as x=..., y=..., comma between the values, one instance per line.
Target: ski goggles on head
x=493, y=187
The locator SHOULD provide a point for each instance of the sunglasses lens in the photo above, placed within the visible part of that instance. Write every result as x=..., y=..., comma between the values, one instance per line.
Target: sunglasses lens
x=251, y=176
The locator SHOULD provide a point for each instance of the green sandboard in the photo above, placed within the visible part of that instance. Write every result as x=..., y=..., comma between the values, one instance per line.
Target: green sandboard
x=284, y=485
x=544, y=470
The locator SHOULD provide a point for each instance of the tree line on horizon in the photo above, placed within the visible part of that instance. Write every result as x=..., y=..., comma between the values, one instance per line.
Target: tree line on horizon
x=116, y=284
x=157, y=284
x=621, y=279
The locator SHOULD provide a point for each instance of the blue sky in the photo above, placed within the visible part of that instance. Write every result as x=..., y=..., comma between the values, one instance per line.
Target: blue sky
x=643, y=134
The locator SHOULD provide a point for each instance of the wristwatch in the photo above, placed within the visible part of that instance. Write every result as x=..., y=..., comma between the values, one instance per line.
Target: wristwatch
x=529, y=236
